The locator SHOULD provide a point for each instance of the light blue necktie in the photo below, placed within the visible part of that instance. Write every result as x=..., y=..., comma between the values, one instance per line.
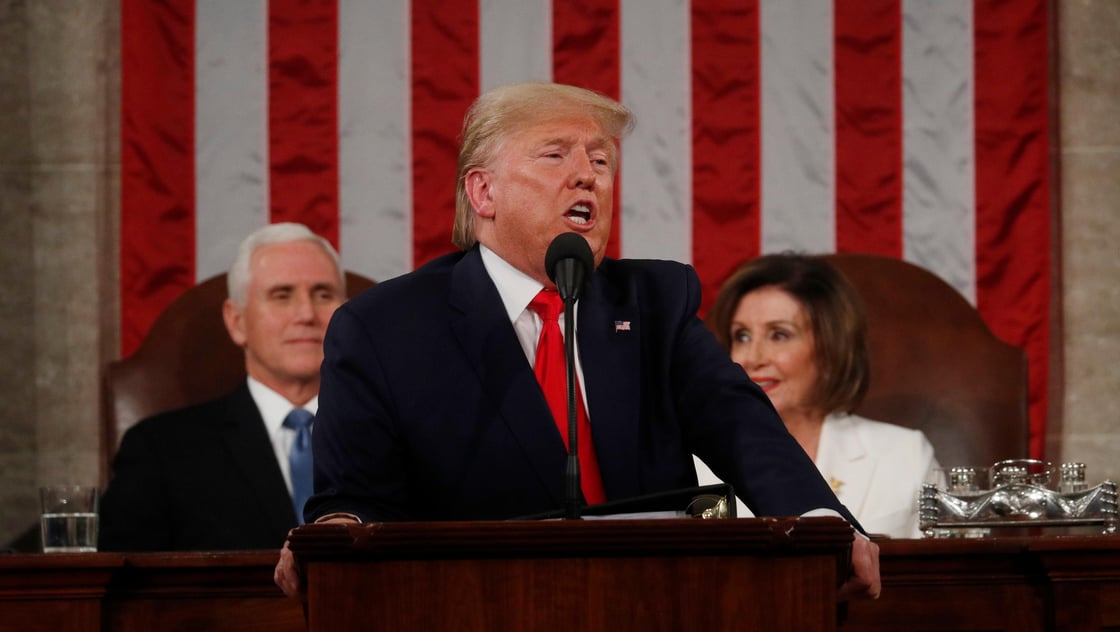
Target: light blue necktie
x=300, y=459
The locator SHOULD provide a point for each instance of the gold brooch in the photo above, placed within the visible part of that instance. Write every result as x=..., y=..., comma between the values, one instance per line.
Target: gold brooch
x=836, y=484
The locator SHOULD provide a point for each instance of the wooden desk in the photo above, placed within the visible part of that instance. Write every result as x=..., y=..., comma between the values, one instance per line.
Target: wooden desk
x=1062, y=583
x=1084, y=578
x=55, y=592
x=1039, y=583
x=144, y=592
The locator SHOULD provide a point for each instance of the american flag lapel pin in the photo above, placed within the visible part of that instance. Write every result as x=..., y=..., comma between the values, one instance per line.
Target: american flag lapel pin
x=621, y=325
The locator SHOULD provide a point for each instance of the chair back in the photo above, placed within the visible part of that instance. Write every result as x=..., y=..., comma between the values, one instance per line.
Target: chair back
x=936, y=366
x=186, y=358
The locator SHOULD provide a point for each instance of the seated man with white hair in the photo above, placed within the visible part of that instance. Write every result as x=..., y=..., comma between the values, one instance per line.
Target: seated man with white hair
x=233, y=473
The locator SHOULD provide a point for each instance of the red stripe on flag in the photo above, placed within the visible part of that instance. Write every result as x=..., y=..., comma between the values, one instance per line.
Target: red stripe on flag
x=585, y=44
x=157, y=161
x=725, y=139
x=868, y=64
x=303, y=114
x=444, y=83
x=1012, y=112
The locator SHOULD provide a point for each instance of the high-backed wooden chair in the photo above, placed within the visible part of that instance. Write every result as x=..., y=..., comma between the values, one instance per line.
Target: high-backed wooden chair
x=936, y=366
x=186, y=358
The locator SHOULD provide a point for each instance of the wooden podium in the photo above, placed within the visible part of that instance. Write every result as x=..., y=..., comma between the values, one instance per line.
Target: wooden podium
x=679, y=574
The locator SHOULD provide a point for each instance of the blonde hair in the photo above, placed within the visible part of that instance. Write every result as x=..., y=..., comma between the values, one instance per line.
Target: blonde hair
x=500, y=112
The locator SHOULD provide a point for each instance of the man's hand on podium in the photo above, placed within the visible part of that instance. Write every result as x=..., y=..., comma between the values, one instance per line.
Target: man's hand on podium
x=864, y=582
x=287, y=575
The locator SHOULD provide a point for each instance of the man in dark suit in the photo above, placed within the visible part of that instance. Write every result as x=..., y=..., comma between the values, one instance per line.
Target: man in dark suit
x=431, y=408
x=217, y=475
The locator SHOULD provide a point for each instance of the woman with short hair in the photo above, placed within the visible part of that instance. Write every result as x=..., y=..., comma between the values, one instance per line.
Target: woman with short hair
x=797, y=327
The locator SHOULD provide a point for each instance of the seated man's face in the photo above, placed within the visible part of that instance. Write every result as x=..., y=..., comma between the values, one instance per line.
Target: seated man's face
x=293, y=290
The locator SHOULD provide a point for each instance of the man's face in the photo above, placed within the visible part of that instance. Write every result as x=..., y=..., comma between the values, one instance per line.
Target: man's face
x=547, y=178
x=293, y=290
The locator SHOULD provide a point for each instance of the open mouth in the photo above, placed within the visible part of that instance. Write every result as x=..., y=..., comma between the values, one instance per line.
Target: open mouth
x=579, y=214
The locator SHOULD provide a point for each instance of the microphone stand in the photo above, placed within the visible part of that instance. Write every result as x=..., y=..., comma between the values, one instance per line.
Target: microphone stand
x=573, y=492
x=568, y=262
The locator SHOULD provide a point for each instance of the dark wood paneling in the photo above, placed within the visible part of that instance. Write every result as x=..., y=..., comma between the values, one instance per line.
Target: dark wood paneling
x=760, y=574
x=148, y=592
x=643, y=580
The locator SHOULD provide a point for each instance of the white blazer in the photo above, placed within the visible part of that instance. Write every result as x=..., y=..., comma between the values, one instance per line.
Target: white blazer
x=876, y=470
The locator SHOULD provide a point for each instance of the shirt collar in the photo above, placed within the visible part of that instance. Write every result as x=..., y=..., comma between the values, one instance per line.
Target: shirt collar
x=516, y=288
x=274, y=407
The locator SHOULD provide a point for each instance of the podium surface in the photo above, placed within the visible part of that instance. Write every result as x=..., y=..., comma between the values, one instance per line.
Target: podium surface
x=677, y=574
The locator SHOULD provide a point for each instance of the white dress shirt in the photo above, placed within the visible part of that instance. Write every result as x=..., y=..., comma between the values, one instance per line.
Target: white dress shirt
x=274, y=407
x=517, y=290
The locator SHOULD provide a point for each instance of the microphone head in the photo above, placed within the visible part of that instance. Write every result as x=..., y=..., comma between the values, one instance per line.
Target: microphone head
x=568, y=246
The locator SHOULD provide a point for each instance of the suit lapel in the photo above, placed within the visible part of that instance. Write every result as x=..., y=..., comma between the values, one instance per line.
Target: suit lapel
x=609, y=337
x=845, y=462
x=492, y=349
x=247, y=440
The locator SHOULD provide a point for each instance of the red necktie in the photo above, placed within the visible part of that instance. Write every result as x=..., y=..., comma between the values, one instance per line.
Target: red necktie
x=551, y=369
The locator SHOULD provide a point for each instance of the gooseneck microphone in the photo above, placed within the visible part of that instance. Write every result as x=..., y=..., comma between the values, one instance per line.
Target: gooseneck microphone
x=569, y=263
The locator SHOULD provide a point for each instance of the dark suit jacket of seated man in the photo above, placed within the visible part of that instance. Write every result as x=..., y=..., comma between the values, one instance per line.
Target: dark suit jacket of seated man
x=216, y=476
x=200, y=478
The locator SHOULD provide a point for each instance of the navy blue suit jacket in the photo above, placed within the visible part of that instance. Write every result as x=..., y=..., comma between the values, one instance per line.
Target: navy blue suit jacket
x=197, y=479
x=429, y=409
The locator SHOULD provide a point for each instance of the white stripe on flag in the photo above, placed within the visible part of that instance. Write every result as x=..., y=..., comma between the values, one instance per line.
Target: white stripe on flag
x=656, y=177
x=939, y=183
x=798, y=126
x=231, y=122
x=515, y=42
x=375, y=136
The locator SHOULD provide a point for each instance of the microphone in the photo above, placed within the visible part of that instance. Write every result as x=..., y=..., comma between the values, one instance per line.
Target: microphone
x=568, y=263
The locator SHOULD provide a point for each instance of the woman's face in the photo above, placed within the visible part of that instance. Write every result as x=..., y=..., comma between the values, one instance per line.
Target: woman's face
x=772, y=339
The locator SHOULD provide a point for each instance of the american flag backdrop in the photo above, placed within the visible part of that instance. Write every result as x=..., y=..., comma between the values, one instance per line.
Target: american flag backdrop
x=916, y=129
